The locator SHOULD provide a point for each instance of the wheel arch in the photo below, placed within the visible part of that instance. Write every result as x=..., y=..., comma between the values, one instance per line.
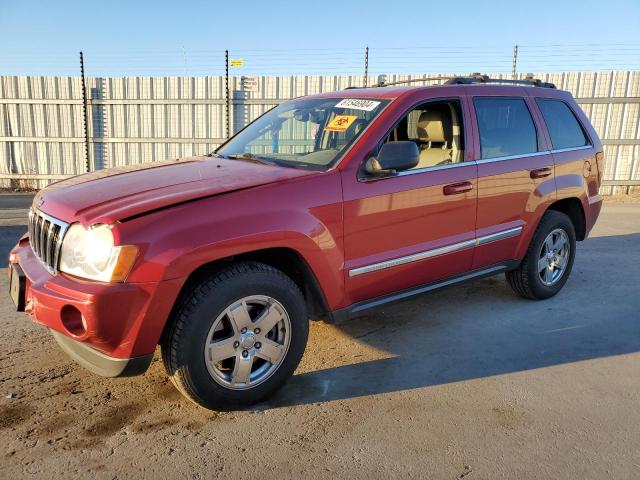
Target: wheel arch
x=285, y=259
x=572, y=207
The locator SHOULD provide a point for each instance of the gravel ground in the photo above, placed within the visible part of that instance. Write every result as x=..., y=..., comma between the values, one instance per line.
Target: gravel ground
x=470, y=382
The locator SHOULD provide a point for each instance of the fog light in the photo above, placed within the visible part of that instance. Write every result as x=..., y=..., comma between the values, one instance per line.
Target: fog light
x=73, y=320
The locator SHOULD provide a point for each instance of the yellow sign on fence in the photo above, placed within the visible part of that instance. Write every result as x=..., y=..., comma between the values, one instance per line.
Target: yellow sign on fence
x=236, y=62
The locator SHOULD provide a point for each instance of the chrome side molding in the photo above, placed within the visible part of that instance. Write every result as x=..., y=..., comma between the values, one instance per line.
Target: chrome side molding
x=494, y=237
x=455, y=247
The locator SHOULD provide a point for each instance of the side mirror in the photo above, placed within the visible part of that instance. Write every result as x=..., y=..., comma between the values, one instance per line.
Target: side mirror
x=394, y=157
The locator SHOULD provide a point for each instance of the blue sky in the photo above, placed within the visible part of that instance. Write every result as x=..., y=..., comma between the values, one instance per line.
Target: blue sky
x=176, y=37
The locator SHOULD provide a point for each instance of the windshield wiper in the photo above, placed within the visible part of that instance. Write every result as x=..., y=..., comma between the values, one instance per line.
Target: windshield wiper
x=250, y=157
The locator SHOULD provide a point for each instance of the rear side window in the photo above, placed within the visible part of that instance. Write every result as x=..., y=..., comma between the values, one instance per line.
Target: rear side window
x=562, y=124
x=506, y=127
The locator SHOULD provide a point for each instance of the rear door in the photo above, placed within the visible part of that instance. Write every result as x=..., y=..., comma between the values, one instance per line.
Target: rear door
x=515, y=173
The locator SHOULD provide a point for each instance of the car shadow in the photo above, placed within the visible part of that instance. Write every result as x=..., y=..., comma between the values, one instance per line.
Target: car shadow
x=482, y=329
x=9, y=236
x=13, y=221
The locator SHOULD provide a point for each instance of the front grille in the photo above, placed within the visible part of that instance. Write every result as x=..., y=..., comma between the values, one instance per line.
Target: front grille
x=45, y=236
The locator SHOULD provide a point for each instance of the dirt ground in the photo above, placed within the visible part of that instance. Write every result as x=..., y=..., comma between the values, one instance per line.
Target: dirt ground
x=470, y=382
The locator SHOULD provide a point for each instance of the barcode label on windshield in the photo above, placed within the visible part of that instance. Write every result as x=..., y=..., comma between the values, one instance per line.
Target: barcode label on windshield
x=358, y=104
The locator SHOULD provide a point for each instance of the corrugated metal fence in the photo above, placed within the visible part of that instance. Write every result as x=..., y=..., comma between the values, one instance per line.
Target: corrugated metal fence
x=140, y=119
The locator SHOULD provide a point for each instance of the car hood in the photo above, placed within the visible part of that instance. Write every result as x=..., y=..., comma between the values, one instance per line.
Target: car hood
x=109, y=195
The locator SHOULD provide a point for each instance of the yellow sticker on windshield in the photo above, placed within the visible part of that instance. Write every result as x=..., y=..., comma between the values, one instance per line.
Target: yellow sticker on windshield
x=340, y=123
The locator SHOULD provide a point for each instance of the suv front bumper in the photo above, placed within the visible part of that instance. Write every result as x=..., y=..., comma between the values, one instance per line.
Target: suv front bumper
x=110, y=329
x=99, y=363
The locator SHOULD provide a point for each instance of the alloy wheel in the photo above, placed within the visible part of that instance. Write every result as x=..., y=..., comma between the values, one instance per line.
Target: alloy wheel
x=553, y=257
x=247, y=342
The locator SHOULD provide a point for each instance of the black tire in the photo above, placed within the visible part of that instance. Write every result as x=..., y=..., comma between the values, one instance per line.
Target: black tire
x=525, y=280
x=183, y=344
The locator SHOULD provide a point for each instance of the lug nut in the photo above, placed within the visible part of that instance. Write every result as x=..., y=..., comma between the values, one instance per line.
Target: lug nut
x=236, y=344
x=245, y=354
x=256, y=331
x=258, y=344
x=244, y=330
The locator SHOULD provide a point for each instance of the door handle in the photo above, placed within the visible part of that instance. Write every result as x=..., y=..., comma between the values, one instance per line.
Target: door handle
x=540, y=172
x=456, y=188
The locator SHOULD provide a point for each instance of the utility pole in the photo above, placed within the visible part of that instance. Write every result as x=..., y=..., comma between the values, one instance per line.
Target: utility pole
x=366, y=66
x=226, y=87
x=515, y=62
x=84, y=113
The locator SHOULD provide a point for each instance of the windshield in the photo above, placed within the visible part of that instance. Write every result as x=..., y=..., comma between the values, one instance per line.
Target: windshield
x=304, y=133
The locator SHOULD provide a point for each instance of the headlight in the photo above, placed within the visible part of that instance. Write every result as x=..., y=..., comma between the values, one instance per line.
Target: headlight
x=90, y=253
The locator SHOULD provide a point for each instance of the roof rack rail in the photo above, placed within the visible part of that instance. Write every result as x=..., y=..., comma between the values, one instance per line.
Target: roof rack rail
x=480, y=78
x=474, y=78
x=401, y=82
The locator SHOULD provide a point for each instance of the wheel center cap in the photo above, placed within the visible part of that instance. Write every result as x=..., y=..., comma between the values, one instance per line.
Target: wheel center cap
x=247, y=340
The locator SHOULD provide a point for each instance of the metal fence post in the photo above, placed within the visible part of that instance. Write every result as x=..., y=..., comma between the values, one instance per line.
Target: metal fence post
x=84, y=113
x=226, y=88
x=515, y=61
x=366, y=65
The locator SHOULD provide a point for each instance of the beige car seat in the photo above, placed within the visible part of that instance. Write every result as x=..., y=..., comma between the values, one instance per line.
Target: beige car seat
x=436, y=134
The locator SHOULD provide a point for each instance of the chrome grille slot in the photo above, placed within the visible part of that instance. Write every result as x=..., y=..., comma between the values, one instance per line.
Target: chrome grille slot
x=45, y=235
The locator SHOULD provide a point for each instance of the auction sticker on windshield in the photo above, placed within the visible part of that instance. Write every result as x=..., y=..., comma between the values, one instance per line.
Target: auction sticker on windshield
x=358, y=104
x=340, y=123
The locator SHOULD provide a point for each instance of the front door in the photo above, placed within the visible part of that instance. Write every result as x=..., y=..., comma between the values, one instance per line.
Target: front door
x=418, y=226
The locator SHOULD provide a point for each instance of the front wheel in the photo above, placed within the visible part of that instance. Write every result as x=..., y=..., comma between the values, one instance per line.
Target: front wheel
x=549, y=259
x=237, y=336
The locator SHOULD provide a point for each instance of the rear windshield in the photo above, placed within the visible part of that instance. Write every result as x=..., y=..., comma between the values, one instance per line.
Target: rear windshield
x=304, y=133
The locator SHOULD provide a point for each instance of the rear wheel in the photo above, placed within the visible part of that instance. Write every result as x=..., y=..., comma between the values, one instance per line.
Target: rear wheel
x=237, y=336
x=549, y=259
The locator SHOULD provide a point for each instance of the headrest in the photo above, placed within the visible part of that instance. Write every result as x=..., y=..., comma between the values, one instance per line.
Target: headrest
x=431, y=126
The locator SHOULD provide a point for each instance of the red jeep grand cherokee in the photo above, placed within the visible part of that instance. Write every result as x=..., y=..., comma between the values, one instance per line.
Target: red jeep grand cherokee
x=323, y=207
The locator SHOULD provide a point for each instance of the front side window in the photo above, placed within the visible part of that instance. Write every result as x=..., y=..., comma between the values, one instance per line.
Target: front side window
x=506, y=127
x=564, y=129
x=304, y=133
x=436, y=128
